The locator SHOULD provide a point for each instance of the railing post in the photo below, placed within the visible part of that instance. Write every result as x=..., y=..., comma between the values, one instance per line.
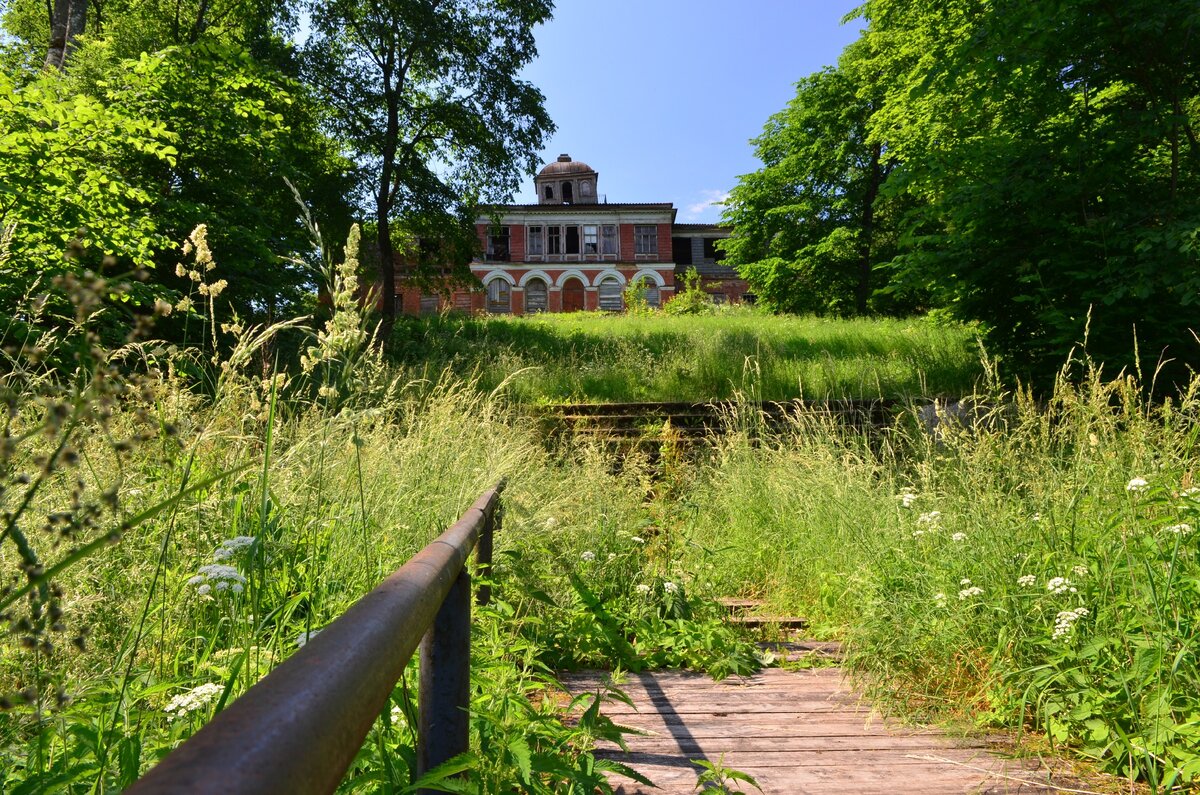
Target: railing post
x=445, y=689
x=483, y=553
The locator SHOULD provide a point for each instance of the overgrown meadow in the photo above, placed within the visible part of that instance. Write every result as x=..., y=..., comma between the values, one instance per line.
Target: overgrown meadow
x=652, y=356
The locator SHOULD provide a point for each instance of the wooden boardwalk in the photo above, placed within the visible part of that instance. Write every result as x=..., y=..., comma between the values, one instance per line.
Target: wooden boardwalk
x=795, y=732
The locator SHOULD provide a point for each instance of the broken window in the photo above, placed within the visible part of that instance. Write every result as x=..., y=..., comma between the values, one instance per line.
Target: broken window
x=566, y=193
x=711, y=251
x=611, y=299
x=645, y=239
x=590, y=241
x=609, y=240
x=554, y=240
x=681, y=250
x=535, y=296
x=572, y=240
x=549, y=192
x=497, y=249
x=535, y=242
x=499, y=300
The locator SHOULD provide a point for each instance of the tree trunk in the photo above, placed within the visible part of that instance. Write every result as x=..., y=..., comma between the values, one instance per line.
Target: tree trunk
x=67, y=20
x=863, y=292
x=383, y=209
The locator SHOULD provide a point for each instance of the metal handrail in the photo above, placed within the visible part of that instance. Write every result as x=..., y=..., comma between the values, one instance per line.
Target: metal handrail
x=298, y=729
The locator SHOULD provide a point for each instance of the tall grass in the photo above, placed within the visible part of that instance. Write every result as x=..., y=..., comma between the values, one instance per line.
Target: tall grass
x=597, y=357
x=1036, y=567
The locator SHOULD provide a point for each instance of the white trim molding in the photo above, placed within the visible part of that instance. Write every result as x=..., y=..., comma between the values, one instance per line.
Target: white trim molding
x=578, y=274
x=654, y=276
x=606, y=273
x=498, y=274
x=536, y=275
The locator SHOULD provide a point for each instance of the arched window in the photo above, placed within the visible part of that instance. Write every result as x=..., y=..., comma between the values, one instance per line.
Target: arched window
x=549, y=191
x=585, y=188
x=611, y=299
x=567, y=195
x=650, y=290
x=535, y=296
x=499, y=300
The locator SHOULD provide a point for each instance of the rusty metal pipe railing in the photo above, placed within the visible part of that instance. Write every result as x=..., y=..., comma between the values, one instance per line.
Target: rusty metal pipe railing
x=298, y=729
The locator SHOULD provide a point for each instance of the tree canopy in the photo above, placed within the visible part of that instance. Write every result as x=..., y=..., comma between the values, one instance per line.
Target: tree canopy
x=1042, y=175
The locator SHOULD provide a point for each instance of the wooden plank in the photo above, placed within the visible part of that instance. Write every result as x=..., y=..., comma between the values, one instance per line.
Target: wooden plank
x=794, y=731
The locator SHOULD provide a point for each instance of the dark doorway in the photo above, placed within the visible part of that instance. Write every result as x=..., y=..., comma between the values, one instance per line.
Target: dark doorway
x=572, y=295
x=566, y=193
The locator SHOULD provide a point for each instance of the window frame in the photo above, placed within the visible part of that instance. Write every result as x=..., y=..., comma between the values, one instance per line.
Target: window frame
x=492, y=237
x=641, y=237
x=614, y=239
x=538, y=237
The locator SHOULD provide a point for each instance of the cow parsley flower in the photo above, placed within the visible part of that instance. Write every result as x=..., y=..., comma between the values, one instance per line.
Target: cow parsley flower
x=1182, y=529
x=1059, y=585
x=1064, y=623
x=1080, y=571
x=940, y=599
x=194, y=699
x=1137, y=484
x=1037, y=517
x=637, y=540
x=965, y=581
x=232, y=547
x=967, y=593
x=1027, y=580
x=932, y=518
x=588, y=556
x=643, y=589
x=219, y=577
x=551, y=523
x=670, y=587
x=907, y=498
x=959, y=537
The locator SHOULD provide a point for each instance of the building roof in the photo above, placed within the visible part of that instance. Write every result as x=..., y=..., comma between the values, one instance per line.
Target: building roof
x=565, y=165
x=703, y=228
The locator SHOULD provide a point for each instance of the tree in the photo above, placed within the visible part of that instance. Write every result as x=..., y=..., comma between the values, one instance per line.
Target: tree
x=810, y=228
x=428, y=96
x=1052, y=156
x=68, y=18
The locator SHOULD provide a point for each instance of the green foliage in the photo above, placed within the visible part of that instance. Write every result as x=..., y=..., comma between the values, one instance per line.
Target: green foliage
x=62, y=189
x=1052, y=159
x=810, y=227
x=691, y=300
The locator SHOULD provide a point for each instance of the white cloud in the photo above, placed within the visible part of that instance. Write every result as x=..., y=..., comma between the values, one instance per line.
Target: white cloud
x=710, y=198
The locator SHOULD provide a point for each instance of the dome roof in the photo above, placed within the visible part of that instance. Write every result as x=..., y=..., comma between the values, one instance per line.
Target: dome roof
x=565, y=165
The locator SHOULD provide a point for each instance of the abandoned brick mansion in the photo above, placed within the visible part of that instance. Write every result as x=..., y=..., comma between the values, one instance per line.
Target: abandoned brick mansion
x=574, y=250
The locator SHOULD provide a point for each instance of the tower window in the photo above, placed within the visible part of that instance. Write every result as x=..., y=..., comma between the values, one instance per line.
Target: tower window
x=549, y=192
x=568, y=198
x=585, y=188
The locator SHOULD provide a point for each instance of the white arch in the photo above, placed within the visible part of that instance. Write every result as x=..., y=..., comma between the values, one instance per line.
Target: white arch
x=536, y=275
x=498, y=274
x=613, y=272
x=578, y=274
x=653, y=276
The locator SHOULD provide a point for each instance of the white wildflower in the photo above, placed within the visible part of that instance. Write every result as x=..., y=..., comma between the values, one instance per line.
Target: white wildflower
x=638, y=540
x=643, y=589
x=305, y=637
x=907, y=498
x=1037, y=517
x=231, y=547
x=1182, y=529
x=612, y=555
x=919, y=533
x=932, y=518
x=1064, y=623
x=1027, y=580
x=588, y=556
x=327, y=392
x=967, y=593
x=670, y=587
x=551, y=523
x=1059, y=585
x=220, y=576
x=965, y=581
x=940, y=598
x=1192, y=493
x=1080, y=571
x=959, y=537
x=194, y=699
x=1136, y=484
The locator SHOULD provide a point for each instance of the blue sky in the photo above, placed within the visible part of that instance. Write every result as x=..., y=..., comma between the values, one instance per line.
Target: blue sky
x=662, y=97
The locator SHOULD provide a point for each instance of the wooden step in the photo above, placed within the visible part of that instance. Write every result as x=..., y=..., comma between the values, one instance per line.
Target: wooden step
x=783, y=622
x=732, y=603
